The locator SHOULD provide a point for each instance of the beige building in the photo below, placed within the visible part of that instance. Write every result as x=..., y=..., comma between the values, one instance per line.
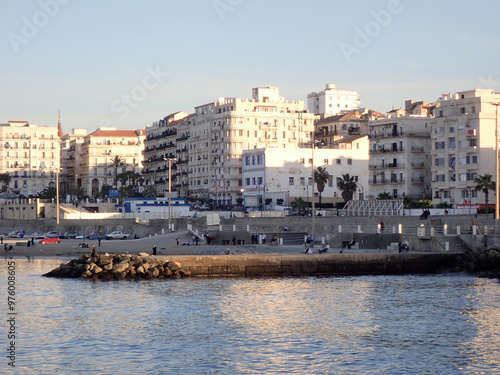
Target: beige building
x=399, y=157
x=463, y=145
x=31, y=156
x=92, y=168
x=208, y=144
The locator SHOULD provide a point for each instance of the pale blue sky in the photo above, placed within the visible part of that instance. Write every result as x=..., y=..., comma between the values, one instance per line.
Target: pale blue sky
x=85, y=57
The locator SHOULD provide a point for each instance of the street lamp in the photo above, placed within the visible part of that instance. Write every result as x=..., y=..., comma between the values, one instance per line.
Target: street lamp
x=57, y=197
x=497, y=188
x=169, y=187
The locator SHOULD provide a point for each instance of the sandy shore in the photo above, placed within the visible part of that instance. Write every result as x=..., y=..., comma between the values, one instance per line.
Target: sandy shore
x=165, y=244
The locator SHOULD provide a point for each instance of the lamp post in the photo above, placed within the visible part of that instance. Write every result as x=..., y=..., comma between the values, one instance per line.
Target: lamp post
x=57, y=197
x=497, y=188
x=169, y=188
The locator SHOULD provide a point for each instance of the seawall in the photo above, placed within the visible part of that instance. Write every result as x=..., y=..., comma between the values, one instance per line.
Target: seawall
x=312, y=264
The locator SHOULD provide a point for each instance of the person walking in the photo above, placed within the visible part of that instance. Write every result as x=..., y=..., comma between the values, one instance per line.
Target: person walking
x=99, y=240
x=154, y=250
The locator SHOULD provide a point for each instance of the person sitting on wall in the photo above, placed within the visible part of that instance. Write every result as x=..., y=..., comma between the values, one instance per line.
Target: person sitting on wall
x=308, y=251
x=352, y=243
x=325, y=249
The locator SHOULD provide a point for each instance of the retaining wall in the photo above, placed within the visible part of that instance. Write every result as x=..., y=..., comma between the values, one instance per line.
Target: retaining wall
x=312, y=265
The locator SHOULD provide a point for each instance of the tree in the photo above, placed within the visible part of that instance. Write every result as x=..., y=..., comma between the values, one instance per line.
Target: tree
x=116, y=162
x=321, y=177
x=5, y=179
x=485, y=184
x=149, y=192
x=298, y=204
x=347, y=185
x=384, y=196
x=48, y=193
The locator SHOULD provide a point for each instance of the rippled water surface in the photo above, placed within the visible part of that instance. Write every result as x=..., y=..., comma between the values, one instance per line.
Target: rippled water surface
x=432, y=324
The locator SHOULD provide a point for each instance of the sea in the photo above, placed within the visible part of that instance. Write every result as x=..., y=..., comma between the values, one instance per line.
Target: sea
x=406, y=324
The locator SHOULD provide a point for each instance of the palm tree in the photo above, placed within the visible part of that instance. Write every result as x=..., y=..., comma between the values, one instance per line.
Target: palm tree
x=385, y=196
x=5, y=179
x=485, y=184
x=298, y=204
x=347, y=185
x=321, y=177
x=116, y=162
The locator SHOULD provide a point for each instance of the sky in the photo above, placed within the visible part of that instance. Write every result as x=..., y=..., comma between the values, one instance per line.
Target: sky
x=126, y=64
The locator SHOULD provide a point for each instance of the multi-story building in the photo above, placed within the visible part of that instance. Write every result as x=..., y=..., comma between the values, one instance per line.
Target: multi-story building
x=286, y=174
x=399, y=157
x=331, y=128
x=208, y=144
x=463, y=145
x=71, y=144
x=31, y=156
x=164, y=141
x=332, y=101
x=93, y=168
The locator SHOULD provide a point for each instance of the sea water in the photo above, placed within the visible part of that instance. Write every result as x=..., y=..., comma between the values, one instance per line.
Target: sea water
x=408, y=324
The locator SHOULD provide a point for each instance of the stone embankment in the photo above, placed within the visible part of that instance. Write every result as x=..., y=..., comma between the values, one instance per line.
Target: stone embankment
x=120, y=267
x=484, y=262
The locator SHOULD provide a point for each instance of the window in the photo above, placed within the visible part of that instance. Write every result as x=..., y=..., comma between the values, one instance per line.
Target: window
x=247, y=181
x=310, y=161
x=259, y=159
x=290, y=181
x=349, y=161
x=439, y=145
x=325, y=161
x=440, y=178
x=302, y=181
x=439, y=161
x=338, y=161
x=302, y=161
x=462, y=110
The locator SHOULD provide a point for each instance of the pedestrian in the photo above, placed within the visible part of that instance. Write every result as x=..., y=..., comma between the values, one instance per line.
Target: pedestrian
x=381, y=225
x=400, y=247
x=264, y=236
x=32, y=241
x=94, y=251
x=234, y=241
x=197, y=240
x=154, y=250
x=177, y=241
x=99, y=240
x=1, y=239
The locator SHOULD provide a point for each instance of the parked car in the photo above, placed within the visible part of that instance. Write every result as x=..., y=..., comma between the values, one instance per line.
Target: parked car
x=93, y=236
x=43, y=240
x=16, y=234
x=71, y=234
x=52, y=234
x=117, y=235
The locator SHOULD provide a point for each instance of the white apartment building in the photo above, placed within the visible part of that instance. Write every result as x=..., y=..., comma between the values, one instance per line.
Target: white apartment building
x=286, y=174
x=399, y=157
x=332, y=101
x=330, y=129
x=31, y=156
x=463, y=145
x=92, y=168
x=208, y=144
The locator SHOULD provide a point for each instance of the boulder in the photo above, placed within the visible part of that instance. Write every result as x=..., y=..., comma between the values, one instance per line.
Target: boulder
x=121, y=267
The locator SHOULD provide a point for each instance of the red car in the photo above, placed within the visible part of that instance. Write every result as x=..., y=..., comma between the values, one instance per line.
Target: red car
x=45, y=240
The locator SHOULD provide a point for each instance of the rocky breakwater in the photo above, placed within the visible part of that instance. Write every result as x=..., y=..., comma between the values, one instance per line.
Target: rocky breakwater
x=120, y=267
x=484, y=262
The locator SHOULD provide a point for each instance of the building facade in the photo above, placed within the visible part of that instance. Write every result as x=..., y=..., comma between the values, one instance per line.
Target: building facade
x=272, y=174
x=463, y=145
x=399, y=157
x=30, y=154
x=332, y=101
x=93, y=168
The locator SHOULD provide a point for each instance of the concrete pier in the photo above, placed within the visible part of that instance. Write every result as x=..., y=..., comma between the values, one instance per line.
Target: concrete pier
x=312, y=264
